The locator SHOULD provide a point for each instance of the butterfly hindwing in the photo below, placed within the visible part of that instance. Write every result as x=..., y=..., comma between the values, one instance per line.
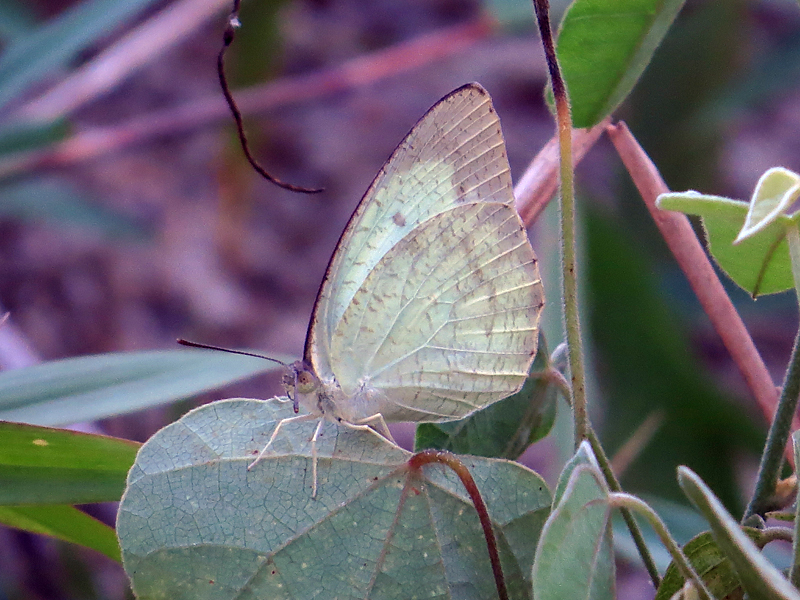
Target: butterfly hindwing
x=458, y=334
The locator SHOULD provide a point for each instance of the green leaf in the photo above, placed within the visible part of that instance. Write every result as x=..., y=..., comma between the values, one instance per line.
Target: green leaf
x=775, y=192
x=30, y=58
x=95, y=387
x=760, y=264
x=583, y=457
x=64, y=523
x=58, y=203
x=21, y=136
x=760, y=579
x=711, y=565
x=40, y=465
x=504, y=429
x=196, y=523
x=575, y=557
x=603, y=48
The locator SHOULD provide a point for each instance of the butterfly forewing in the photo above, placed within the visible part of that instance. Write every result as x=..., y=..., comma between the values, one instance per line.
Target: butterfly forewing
x=409, y=189
x=433, y=295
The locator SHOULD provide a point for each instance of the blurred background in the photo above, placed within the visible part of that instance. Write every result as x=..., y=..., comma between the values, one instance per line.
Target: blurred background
x=129, y=217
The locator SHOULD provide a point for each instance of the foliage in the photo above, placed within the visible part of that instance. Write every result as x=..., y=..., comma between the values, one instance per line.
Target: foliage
x=34, y=52
x=200, y=518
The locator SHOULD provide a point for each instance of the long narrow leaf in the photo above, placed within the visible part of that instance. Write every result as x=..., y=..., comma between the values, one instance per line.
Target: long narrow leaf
x=94, y=387
x=40, y=465
x=65, y=523
x=760, y=579
x=32, y=57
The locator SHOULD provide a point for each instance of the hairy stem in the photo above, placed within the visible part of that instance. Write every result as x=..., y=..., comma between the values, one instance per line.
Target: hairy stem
x=772, y=457
x=567, y=206
x=554, y=377
x=633, y=527
x=794, y=571
x=678, y=557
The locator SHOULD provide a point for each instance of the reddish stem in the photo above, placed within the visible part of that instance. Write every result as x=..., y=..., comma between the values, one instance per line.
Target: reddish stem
x=416, y=462
x=539, y=183
x=692, y=258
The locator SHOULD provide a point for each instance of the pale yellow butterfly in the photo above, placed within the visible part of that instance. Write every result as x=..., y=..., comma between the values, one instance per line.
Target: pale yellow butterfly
x=429, y=309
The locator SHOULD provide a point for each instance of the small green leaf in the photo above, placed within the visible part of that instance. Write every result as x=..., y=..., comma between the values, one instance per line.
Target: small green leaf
x=504, y=429
x=575, y=556
x=195, y=522
x=64, y=523
x=775, y=192
x=95, y=387
x=760, y=579
x=604, y=47
x=760, y=264
x=583, y=457
x=713, y=567
x=40, y=465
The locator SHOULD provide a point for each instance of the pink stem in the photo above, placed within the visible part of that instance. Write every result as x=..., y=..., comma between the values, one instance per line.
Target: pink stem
x=694, y=262
x=539, y=183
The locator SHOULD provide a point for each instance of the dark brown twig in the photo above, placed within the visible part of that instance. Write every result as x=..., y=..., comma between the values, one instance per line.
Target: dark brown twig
x=227, y=40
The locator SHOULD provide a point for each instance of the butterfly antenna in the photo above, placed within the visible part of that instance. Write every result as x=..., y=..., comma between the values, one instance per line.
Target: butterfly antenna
x=183, y=342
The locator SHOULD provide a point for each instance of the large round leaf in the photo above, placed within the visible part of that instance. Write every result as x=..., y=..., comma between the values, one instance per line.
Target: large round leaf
x=196, y=523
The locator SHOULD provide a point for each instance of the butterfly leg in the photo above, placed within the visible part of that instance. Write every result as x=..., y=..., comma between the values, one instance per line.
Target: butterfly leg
x=376, y=423
x=297, y=419
x=314, y=439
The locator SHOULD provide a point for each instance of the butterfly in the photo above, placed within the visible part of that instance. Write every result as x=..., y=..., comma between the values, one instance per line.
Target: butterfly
x=429, y=309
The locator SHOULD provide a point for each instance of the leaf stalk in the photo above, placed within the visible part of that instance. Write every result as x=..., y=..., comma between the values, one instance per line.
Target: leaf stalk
x=621, y=500
x=425, y=457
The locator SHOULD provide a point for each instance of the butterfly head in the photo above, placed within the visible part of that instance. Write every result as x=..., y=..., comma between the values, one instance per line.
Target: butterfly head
x=299, y=380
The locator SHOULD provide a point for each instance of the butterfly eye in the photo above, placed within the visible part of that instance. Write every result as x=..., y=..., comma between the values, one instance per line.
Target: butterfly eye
x=306, y=382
